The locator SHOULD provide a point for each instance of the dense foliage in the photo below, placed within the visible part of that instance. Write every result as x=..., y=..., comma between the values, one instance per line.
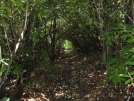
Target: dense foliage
x=34, y=33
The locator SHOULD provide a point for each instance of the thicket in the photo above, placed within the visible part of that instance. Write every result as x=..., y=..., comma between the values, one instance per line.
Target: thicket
x=34, y=33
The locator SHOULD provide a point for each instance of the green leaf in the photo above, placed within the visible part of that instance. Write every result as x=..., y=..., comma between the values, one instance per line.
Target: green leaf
x=108, y=41
x=132, y=50
x=116, y=80
x=131, y=40
x=128, y=81
x=1, y=73
x=129, y=63
x=5, y=99
x=124, y=37
x=116, y=36
x=132, y=73
x=2, y=69
x=124, y=75
x=132, y=57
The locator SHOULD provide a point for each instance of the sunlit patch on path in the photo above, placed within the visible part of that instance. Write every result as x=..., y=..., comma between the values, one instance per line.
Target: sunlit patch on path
x=77, y=78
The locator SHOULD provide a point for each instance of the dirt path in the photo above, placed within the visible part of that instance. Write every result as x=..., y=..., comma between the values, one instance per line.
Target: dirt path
x=77, y=78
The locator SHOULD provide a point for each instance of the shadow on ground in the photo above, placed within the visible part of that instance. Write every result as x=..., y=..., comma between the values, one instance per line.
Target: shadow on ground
x=77, y=78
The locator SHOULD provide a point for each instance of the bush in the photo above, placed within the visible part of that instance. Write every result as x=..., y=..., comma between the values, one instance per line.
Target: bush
x=120, y=66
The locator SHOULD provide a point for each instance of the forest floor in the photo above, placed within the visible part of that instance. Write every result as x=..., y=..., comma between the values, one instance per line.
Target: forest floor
x=77, y=78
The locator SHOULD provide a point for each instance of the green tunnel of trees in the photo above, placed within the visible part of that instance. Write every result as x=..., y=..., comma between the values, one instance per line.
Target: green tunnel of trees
x=35, y=32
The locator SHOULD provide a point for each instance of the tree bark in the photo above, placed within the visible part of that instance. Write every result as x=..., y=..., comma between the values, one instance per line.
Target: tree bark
x=13, y=53
x=133, y=10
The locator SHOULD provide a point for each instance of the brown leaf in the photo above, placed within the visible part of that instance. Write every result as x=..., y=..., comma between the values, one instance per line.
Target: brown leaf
x=32, y=74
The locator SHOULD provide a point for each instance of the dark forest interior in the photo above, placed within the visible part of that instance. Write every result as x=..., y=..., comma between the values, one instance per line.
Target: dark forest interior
x=64, y=50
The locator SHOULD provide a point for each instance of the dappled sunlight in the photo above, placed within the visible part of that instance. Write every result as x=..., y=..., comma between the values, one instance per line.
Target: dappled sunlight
x=91, y=74
x=77, y=78
x=67, y=50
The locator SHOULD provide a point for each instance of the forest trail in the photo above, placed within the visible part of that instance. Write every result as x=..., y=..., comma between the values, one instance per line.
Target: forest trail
x=77, y=78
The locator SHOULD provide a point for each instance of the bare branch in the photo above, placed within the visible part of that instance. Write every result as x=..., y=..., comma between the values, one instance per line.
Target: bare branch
x=12, y=55
x=33, y=7
x=130, y=18
x=7, y=39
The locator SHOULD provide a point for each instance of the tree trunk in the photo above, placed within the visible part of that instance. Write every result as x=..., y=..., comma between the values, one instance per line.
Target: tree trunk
x=133, y=11
x=104, y=48
x=53, y=41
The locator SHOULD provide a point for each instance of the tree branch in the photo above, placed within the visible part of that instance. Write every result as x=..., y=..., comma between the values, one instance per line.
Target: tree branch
x=12, y=55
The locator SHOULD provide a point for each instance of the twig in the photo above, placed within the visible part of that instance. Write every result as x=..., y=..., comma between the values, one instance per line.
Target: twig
x=6, y=38
x=130, y=18
x=132, y=81
x=12, y=55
